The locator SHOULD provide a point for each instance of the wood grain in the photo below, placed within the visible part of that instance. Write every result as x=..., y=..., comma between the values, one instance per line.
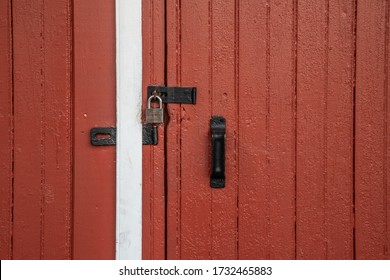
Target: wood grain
x=28, y=130
x=371, y=147
x=42, y=130
x=339, y=220
x=253, y=220
x=173, y=132
x=325, y=130
x=282, y=73
x=94, y=106
x=312, y=90
x=153, y=180
x=57, y=136
x=281, y=126
x=224, y=100
x=6, y=126
x=267, y=131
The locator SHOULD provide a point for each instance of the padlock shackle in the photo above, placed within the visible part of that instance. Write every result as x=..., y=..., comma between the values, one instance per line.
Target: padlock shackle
x=150, y=100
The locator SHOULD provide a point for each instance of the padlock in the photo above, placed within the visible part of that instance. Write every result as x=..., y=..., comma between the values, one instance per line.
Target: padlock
x=154, y=115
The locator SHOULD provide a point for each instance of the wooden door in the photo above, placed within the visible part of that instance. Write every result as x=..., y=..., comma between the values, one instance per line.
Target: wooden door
x=303, y=86
x=57, y=81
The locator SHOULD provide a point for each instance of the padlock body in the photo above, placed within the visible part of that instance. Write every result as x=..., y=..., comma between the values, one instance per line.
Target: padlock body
x=154, y=115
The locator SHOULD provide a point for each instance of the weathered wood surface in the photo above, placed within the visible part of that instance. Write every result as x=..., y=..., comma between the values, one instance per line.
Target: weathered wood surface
x=303, y=86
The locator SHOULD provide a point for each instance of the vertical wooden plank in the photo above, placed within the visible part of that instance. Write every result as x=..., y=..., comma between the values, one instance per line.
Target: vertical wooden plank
x=387, y=138
x=253, y=225
x=281, y=82
x=6, y=125
x=267, y=130
x=42, y=75
x=153, y=181
x=188, y=143
x=204, y=235
x=224, y=100
x=173, y=54
x=312, y=90
x=339, y=220
x=386, y=182
x=193, y=62
x=371, y=182
x=94, y=106
x=57, y=138
x=29, y=100
x=325, y=130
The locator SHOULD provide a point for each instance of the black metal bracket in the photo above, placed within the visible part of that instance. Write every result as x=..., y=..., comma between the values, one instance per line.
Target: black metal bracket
x=103, y=136
x=218, y=139
x=149, y=135
x=106, y=136
x=179, y=95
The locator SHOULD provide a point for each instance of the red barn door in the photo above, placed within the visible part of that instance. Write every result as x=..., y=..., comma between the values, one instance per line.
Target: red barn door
x=57, y=81
x=303, y=86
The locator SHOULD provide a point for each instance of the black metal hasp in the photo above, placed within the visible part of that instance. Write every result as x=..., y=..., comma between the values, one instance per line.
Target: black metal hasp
x=218, y=139
x=179, y=95
x=106, y=136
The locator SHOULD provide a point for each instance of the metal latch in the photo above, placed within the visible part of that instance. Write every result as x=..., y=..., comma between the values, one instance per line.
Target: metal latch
x=106, y=136
x=178, y=95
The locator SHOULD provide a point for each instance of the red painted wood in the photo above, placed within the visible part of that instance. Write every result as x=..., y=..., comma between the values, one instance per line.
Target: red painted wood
x=386, y=183
x=173, y=135
x=253, y=130
x=57, y=191
x=287, y=94
x=339, y=220
x=371, y=158
x=153, y=193
x=94, y=105
x=42, y=130
x=189, y=194
x=37, y=174
x=280, y=123
x=267, y=131
x=28, y=131
x=212, y=67
x=312, y=121
x=6, y=126
x=281, y=72
x=224, y=100
x=325, y=130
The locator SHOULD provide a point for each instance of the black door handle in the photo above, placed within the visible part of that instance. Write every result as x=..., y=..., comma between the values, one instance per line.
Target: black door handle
x=218, y=136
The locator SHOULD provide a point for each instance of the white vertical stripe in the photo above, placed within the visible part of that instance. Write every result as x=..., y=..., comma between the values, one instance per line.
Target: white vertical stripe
x=129, y=130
